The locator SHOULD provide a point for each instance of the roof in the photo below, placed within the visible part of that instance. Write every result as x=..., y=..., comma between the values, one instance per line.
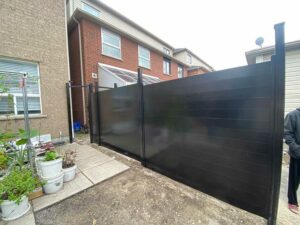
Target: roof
x=251, y=55
x=178, y=50
x=129, y=76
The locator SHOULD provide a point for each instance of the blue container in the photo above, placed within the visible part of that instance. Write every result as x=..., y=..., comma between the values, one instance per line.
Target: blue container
x=77, y=126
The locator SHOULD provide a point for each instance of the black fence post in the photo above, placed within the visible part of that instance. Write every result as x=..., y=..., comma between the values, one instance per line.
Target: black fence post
x=115, y=85
x=68, y=86
x=279, y=92
x=90, y=108
x=98, y=105
x=142, y=128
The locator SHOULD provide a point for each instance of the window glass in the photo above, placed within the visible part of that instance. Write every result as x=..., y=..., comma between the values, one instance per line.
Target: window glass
x=111, y=44
x=91, y=10
x=166, y=66
x=11, y=73
x=180, y=71
x=144, y=57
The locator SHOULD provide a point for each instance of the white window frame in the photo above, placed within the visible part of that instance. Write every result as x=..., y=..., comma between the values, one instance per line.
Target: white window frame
x=83, y=4
x=142, y=57
x=189, y=58
x=15, y=95
x=167, y=51
x=180, y=66
x=103, y=30
x=169, y=68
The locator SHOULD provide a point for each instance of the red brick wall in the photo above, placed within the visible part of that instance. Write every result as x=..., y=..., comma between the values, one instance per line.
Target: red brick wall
x=92, y=55
x=75, y=75
x=196, y=72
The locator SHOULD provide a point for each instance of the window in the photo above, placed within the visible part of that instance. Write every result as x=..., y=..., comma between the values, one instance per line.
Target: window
x=166, y=51
x=11, y=99
x=144, y=57
x=90, y=9
x=167, y=66
x=189, y=59
x=180, y=71
x=111, y=44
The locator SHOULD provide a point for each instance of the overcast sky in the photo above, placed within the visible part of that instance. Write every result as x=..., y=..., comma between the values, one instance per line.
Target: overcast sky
x=218, y=31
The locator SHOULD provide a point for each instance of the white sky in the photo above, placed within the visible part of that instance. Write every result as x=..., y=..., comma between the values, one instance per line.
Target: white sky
x=218, y=31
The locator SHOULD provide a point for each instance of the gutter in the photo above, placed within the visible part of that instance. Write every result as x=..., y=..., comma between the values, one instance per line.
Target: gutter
x=68, y=63
x=81, y=70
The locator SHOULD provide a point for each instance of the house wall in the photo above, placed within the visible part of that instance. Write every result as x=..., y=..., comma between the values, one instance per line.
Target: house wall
x=92, y=55
x=182, y=56
x=196, y=72
x=292, y=78
x=120, y=24
x=35, y=31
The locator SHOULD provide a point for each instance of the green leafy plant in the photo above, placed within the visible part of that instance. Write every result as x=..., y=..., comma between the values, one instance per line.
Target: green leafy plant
x=17, y=184
x=50, y=155
x=3, y=160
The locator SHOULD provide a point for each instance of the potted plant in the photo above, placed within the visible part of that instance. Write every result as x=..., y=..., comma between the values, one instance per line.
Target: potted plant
x=14, y=189
x=50, y=165
x=69, y=166
x=51, y=172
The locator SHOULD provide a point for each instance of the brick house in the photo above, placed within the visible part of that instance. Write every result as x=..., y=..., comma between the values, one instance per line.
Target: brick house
x=34, y=40
x=106, y=47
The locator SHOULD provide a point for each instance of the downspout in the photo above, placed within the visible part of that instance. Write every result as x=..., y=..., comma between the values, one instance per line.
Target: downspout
x=68, y=63
x=81, y=70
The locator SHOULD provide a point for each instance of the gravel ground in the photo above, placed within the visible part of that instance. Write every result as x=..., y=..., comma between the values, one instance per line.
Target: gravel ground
x=143, y=197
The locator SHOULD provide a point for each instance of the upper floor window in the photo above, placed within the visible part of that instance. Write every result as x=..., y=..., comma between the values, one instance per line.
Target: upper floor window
x=166, y=51
x=180, y=71
x=111, y=44
x=167, y=66
x=11, y=97
x=144, y=57
x=189, y=59
x=90, y=9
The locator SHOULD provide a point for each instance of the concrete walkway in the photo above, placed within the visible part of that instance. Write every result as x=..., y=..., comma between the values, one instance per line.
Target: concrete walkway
x=93, y=167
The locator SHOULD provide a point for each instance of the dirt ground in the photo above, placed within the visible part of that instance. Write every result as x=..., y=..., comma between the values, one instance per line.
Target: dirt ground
x=141, y=196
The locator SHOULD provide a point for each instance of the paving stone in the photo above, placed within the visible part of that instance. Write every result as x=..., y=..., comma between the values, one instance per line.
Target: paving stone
x=92, y=161
x=104, y=171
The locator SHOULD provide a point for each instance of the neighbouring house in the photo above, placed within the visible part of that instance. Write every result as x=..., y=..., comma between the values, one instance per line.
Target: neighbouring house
x=107, y=48
x=292, y=70
x=33, y=40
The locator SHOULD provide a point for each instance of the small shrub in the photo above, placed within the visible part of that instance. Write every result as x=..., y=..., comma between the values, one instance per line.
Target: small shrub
x=50, y=155
x=17, y=184
x=69, y=158
x=3, y=160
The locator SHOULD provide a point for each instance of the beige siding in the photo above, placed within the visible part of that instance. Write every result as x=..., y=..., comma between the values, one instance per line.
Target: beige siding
x=182, y=56
x=35, y=31
x=292, y=79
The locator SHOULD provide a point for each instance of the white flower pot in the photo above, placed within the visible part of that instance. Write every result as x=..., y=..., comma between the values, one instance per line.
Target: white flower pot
x=69, y=173
x=53, y=185
x=11, y=210
x=49, y=169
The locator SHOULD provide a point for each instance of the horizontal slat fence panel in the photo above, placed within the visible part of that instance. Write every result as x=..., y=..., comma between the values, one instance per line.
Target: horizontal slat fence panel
x=214, y=132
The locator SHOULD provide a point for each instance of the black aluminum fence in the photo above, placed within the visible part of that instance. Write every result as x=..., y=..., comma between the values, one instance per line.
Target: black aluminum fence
x=220, y=132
